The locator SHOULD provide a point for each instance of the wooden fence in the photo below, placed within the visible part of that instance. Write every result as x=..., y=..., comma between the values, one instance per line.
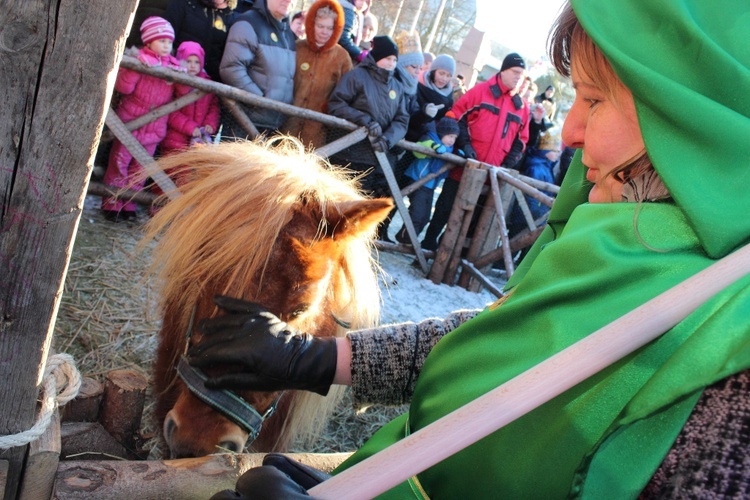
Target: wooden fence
x=506, y=185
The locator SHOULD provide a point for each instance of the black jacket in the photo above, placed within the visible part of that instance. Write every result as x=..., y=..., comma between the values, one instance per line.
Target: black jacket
x=194, y=22
x=369, y=93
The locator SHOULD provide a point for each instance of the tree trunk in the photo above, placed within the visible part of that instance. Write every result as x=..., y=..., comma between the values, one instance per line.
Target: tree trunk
x=58, y=63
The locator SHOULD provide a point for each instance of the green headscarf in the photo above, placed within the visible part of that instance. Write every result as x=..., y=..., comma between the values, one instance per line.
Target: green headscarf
x=687, y=65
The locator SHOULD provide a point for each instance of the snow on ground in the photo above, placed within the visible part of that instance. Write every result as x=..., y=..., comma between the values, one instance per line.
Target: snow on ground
x=409, y=296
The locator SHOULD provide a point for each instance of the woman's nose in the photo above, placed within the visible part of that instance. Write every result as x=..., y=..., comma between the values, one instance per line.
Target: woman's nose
x=574, y=128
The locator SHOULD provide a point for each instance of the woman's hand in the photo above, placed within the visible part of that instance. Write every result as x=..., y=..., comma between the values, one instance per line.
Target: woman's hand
x=271, y=356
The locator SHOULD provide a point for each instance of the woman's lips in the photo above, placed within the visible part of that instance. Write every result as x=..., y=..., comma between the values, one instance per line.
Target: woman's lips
x=591, y=175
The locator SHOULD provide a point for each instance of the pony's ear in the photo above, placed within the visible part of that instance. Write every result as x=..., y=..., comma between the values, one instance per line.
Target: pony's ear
x=351, y=218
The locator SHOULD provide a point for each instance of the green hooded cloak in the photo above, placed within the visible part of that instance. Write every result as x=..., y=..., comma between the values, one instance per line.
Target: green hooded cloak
x=687, y=63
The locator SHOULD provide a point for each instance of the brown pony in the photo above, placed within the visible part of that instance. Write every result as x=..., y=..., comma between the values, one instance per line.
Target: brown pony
x=270, y=224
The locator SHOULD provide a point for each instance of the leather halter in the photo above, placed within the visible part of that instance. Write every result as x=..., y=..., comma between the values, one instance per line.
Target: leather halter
x=224, y=401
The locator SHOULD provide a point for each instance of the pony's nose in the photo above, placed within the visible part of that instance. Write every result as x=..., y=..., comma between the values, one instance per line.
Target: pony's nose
x=170, y=426
x=231, y=446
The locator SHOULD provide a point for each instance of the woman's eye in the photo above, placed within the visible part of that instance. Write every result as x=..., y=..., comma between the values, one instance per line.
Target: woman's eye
x=592, y=102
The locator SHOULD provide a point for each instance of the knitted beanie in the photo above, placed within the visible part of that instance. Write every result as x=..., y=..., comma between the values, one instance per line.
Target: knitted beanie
x=444, y=62
x=447, y=126
x=409, y=49
x=155, y=28
x=187, y=49
x=382, y=47
x=512, y=60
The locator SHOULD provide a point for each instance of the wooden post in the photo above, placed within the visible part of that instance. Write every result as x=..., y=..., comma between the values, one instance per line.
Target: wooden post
x=59, y=62
x=482, y=231
x=468, y=192
x=505, y=245
x=122, y=407
x=85, y=406
x=41, y=466
x=399, y=200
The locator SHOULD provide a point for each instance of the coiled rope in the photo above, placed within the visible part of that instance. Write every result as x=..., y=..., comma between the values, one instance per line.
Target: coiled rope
x=60, y=384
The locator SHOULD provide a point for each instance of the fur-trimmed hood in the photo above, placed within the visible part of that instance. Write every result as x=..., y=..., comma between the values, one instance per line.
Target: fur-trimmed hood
x=338, y=24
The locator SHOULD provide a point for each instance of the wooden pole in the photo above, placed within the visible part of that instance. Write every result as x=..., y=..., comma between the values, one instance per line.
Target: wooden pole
x=342, y=143
x=505, y=245
x=142, y=197
x=534, y=387
x=522, y=240
x=239, y=114
x=399, y=200
x=157, y=113
x=59, y=63
x=141, y=155
x=187, y=478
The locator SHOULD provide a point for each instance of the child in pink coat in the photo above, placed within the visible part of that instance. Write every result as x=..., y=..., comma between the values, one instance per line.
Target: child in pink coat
x=140, y=94
x=196, y=121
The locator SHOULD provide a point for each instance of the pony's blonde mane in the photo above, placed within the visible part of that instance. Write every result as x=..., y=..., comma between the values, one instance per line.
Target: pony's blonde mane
x=224, y=224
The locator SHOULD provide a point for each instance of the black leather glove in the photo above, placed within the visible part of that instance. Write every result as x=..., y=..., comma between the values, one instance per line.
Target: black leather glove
x=272, y=356
x=264, y=483
x=469, y=152
x=513, y=158
x=304, y=475
x=374, y=129
x=280, y=477
x=380, y=144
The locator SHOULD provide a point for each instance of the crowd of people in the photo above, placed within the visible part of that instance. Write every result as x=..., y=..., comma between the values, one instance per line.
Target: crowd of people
x=330, y=59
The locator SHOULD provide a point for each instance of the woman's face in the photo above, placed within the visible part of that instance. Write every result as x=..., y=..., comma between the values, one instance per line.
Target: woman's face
x=368, y=32
x=323, y=30
x=442, y=78
x=298, y=27
x=359, y=4
x=607, y=130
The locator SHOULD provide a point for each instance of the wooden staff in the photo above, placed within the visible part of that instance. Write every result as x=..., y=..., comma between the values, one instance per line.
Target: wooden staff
x=507, y=256
x=534, y=387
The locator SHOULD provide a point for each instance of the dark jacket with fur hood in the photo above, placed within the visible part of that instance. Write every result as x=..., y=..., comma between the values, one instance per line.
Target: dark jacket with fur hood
x=317, y=72
x=259, y=58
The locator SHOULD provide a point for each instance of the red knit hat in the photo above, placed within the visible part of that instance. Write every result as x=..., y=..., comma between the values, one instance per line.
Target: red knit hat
x=155, y=28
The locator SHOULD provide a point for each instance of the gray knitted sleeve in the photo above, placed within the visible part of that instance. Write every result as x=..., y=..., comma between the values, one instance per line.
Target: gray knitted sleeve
x=386, y=361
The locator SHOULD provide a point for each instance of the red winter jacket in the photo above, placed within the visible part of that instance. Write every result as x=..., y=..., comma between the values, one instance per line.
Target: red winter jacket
x=143, y=93
x=493, y=121
x=182, y=123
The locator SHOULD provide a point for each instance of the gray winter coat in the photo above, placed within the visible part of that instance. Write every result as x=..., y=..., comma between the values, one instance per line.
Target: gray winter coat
x=259, y=57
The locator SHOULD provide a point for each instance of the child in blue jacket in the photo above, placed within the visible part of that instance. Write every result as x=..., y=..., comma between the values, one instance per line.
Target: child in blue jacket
x=420, y=201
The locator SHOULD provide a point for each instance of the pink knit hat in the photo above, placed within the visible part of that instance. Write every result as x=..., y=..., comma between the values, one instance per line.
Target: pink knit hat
x=154, y=28
x=187, y=49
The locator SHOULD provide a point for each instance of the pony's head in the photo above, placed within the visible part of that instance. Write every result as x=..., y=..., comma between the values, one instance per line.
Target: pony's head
x=270, y=224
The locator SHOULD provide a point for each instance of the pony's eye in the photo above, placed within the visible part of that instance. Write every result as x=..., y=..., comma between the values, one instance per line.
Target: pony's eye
x=299, y=310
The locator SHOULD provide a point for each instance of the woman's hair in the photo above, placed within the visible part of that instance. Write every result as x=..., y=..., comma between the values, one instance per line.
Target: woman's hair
x=568, y=38
x=325, y=12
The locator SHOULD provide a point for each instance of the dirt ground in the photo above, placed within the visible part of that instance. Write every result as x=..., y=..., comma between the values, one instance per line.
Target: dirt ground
x=108, y=319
